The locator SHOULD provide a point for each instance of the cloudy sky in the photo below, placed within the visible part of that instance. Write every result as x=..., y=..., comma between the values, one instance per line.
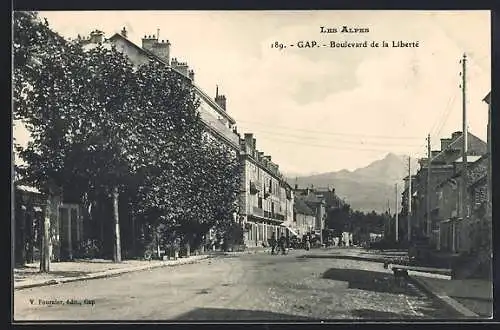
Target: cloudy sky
x=324, y=109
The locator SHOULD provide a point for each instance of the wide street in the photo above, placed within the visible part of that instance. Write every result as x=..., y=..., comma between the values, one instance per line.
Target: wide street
x=314, y=285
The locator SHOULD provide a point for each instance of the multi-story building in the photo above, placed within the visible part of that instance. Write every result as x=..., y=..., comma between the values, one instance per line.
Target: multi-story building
x=266, y=203
x=304, y=219
x=316, y=201
x=404, y=221
x=442, y=168
x=219, y=125
x=456, y=232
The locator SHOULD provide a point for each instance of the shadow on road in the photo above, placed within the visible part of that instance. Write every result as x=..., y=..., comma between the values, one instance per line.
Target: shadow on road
x=341, y=257
x=367, y=280
x=224, y=314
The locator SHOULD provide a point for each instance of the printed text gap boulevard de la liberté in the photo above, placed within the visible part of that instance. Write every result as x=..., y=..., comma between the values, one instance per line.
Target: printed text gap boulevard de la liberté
x=346, y=43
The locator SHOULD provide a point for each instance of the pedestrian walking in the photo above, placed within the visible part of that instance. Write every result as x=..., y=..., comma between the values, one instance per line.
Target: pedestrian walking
x=273, y=243
x=282, y=243
x=308, y=243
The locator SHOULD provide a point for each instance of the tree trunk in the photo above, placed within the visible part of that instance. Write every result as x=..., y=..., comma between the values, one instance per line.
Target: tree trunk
x=158, y=250
x=188, y=249
x=100, y=216
x=29, y=253
x=24, y=236
x=117, y=256
x=45, y=250
x=134, y=238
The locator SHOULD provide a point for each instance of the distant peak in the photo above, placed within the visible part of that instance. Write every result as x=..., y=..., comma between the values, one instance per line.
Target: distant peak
x=392, y=155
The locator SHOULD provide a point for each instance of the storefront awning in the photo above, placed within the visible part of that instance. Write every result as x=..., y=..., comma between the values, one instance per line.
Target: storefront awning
x=290, y=229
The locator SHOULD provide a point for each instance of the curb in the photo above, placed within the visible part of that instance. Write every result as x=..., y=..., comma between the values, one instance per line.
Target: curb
x=443, y=298
x=113, y=272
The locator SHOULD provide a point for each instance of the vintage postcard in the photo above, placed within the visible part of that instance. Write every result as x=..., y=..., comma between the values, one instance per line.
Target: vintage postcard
x=251, y=165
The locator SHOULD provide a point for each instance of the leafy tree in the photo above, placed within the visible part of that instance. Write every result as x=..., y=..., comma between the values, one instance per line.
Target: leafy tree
x=101, y=128
x=75, y=106
x=41, y=98
x=190, y=181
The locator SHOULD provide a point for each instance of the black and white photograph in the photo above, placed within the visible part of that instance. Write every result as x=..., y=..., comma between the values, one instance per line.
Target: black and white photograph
x=251, y=166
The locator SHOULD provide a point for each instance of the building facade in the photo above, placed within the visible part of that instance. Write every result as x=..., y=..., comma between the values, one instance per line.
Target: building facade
x=266, y=200
x=213, y=113
x=304, y=219
x=316, y=201
x=442, y=167
x=218, y=124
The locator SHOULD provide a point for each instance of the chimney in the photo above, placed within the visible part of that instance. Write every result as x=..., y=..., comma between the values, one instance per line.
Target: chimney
x=124, y=32
x=162, y=50
x=148, y=42
x=445, y=143
x=456, y=135
x=248, y=139
x=96, y=37
x=183, y=68
x=220, y=99
x=191, y=75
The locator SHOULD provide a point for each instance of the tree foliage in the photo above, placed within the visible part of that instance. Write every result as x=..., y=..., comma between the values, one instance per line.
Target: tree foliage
x=97, y=122
x=343, y=218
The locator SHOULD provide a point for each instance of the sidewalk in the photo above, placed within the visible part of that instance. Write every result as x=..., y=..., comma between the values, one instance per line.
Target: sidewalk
x=63, y=272
x=471, y=298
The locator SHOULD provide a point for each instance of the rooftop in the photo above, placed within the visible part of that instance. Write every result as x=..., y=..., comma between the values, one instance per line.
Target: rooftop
x=301, y=207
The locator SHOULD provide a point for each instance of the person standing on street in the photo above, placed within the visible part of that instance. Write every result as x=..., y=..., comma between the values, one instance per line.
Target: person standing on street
x=273, y=243
x=282, y=243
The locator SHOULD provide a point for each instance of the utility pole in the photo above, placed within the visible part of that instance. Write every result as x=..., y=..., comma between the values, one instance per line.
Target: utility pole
x=465, y=138
x=397, y=222
x=428, y=194
x=409, y=198
x=465, y=204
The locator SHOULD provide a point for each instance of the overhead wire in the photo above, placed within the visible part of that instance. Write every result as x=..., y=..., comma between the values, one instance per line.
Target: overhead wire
x=333, y=147
x=331, y=133
x=445, y=119
x=337, y=140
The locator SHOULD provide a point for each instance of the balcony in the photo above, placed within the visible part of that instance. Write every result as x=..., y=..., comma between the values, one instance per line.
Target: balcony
x=267, y=192
x=254, y=187
x=280, y=216
x=258, y=211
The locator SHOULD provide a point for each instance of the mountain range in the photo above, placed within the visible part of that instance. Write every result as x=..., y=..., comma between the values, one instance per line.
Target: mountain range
x=368, y=188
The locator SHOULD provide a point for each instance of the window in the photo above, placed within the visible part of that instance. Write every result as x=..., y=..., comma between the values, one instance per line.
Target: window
x=260, y=202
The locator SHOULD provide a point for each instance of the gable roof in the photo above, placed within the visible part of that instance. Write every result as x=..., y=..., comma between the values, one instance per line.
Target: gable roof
x=454, y=145
x=301, y=207
x=201, y=93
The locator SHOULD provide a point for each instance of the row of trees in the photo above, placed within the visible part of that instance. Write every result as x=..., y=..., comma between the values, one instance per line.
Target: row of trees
x=109, y=133
x=361, y=224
